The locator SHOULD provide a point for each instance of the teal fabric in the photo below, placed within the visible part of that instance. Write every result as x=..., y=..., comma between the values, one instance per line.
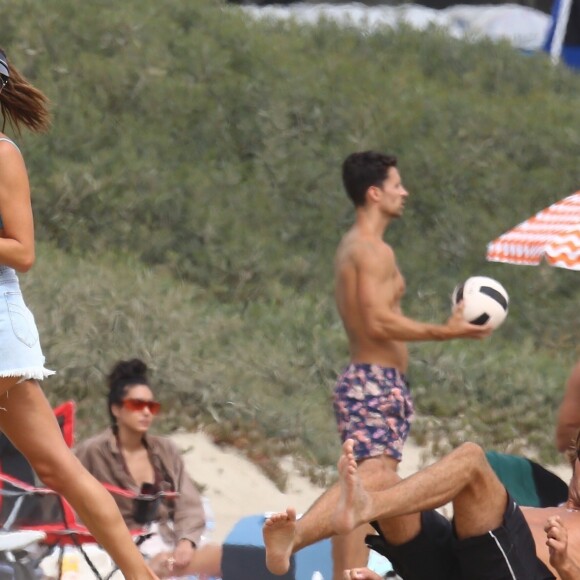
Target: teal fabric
x=516, y=474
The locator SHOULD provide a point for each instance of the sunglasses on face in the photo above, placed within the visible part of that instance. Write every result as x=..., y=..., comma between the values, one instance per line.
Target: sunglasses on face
x=140, y=404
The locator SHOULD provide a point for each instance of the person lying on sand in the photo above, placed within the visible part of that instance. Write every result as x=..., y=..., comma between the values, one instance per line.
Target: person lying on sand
x=491, y=537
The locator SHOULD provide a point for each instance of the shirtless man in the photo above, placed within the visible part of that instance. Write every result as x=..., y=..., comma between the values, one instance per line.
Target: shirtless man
x=491, y=537
x=568, y=421
x=372, y=402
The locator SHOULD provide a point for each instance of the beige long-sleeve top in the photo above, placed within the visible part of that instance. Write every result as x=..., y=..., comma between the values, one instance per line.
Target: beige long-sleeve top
x=180, y=518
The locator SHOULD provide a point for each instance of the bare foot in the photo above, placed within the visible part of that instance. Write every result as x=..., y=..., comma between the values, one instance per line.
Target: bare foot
x=354, y=502
x=279, y=531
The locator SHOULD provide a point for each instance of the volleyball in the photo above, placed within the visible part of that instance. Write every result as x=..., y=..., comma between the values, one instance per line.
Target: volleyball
x=485, y=300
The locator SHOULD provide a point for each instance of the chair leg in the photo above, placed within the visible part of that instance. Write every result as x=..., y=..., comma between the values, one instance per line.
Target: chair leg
x=110, y=574
x=60, y=559
x=87, y=559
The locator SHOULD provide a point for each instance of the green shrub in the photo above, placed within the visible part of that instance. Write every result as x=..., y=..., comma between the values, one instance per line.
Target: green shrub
x=189, y=203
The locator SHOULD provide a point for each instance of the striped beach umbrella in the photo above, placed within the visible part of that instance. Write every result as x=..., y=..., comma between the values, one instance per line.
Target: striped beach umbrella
x=552, y=234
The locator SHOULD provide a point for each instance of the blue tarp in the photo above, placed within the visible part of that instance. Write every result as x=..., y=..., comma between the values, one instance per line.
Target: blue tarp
x=563, y=38
x=312, y=562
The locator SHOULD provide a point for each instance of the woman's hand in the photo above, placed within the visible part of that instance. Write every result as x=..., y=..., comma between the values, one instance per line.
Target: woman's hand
x=182, y=554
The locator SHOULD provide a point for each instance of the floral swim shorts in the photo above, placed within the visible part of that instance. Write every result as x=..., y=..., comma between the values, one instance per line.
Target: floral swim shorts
x=373, y=406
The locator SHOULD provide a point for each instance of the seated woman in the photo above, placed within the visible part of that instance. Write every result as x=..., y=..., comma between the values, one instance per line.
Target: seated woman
x=126, y=456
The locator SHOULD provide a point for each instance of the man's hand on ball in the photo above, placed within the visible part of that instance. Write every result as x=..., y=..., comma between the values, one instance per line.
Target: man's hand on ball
x=463, y=328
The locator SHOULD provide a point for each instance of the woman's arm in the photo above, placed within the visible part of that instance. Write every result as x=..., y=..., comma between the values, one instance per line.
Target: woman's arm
x=17, y=235
x=189, y=515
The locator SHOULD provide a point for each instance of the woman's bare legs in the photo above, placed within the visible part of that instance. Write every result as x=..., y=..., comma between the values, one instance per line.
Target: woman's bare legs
x=27, y=419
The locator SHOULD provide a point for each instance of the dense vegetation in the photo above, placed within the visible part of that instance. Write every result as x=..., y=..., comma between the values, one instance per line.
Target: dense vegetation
x=188, y=204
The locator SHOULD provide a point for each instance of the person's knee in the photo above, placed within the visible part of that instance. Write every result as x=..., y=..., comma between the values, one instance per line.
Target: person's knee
x=473, y=451
x=473, y=455
x=476, y=468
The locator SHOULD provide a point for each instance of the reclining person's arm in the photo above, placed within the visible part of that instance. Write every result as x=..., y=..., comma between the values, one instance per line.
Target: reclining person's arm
x=557, y=542
x=568, y=421
x=569, y=571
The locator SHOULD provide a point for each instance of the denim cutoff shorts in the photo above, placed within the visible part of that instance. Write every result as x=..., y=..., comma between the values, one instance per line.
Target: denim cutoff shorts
x=20, y=351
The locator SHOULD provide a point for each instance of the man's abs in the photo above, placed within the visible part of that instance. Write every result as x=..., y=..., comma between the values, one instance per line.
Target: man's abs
x=390, y=353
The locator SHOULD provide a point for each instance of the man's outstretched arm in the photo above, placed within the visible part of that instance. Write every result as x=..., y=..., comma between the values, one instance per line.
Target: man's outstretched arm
x=383, y=321
x=557, y=542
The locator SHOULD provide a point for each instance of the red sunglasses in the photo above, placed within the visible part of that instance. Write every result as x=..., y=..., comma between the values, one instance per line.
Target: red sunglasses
x=140, y=404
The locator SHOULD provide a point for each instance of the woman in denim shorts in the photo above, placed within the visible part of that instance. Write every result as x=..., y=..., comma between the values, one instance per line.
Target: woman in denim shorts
x=26, y=417
x=20, y=353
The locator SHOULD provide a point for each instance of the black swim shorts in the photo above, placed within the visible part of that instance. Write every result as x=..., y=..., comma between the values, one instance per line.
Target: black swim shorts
x=506, y=553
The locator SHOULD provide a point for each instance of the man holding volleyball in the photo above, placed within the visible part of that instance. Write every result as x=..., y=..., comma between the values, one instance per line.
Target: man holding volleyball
x=372, y=401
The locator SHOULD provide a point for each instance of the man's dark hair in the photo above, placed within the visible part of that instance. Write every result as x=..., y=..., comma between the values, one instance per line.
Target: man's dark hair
x=363, y=169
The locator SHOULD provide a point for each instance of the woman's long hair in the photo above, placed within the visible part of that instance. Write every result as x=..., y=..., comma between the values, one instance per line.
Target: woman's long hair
x=23, y=104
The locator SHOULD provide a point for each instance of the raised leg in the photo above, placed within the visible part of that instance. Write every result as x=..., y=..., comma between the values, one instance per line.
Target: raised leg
x=463, y=477
x=284, y=535
x=350, y=551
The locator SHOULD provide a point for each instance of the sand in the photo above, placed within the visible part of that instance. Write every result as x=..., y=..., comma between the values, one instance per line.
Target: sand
x=234, y=486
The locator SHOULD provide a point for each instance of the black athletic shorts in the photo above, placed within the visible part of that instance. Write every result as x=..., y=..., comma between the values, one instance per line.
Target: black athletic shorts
x=506, y=553
x=240, y=562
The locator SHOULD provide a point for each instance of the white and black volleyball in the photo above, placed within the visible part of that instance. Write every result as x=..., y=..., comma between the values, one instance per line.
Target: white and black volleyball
x=485, y=300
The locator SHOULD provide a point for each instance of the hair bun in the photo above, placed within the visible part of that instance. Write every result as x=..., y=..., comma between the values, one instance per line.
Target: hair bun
x=124, y=370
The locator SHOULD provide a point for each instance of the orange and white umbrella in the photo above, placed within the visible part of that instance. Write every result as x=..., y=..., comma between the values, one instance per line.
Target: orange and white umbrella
x=553, y=234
